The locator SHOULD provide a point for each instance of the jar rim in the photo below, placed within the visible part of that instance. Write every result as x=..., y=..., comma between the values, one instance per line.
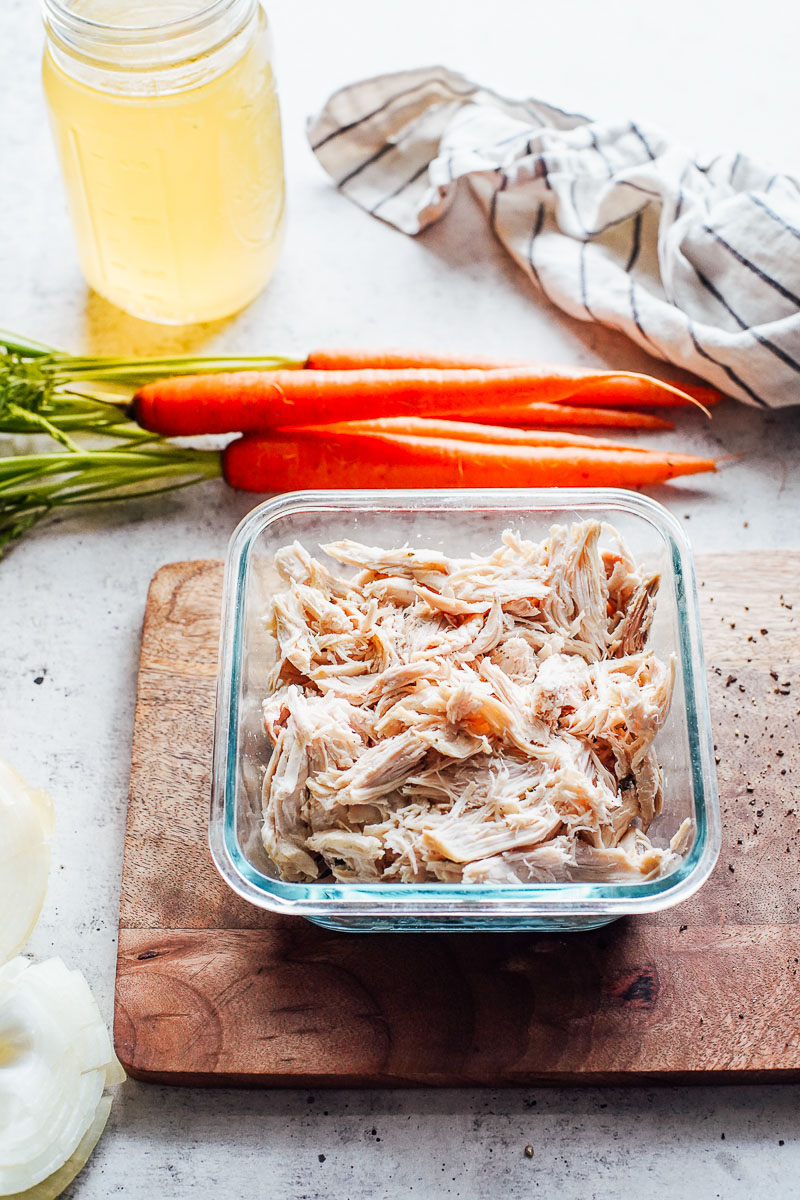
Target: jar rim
x=69, y=22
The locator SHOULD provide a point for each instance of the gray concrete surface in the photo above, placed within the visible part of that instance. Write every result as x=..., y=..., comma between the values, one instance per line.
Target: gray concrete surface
x=71, y=597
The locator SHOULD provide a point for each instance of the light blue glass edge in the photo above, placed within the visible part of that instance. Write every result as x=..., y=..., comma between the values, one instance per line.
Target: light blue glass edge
x=408, y=900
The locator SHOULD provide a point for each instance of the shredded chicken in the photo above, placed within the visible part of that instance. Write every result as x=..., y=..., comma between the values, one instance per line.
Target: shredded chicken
x=478, y=720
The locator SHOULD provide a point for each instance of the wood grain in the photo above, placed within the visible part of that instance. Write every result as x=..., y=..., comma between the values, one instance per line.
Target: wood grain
x=211, y=990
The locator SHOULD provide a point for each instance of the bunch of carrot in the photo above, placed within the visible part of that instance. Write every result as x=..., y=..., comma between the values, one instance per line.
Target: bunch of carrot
x=346, y=419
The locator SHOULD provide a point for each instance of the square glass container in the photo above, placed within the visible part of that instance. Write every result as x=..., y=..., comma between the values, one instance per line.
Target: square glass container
x=459, y=522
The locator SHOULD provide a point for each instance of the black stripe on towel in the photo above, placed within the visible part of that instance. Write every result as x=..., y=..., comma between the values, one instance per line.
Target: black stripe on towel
x=728, y=370
x=409, y=91
x=530, y=110
x=406, y=183
x=715, y=292
x=637, y=131
x=584, y=296
x=601, y=229
x=765, y=342
x=709, y=165
x=536, y=229
x=637, y=319
x=373, y=158
x=637, y=243
x=392, y=145
x=751, y=266
x=593, y=233
x=775, y=216
x=637, y=187
x=601, y=152
x=512, y=137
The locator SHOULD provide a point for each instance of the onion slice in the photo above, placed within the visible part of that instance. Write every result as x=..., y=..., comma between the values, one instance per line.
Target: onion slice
x=56, y=1061
x=56, y=1183
x=26, y=824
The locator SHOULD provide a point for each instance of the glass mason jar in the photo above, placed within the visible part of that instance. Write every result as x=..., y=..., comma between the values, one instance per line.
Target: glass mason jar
x=166, y=120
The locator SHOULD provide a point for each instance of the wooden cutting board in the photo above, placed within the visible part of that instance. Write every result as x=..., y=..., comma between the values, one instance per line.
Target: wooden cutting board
x=212, y=990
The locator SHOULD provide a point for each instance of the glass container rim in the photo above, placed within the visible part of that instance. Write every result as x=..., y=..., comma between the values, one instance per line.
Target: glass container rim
x=178, y=54
x=78, y=24
x=573, y=898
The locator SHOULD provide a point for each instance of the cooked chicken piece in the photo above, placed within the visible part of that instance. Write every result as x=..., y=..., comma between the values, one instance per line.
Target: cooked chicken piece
x=516, y=658
x=296, y=642
x=681, y=841
x=489, y=635
x=451, y=605
x=453, y=742
x=350, y=856
x=547, y=863
x=631, y=633
x=488, y=718
x=634, y=855
x=295, y=565
x=423, y=565
x=465, y=838
x=625, y=812
x=285, y=831
x=626, y=702
x=377, y=772
x=647, y=785
x=392, y=589
x=559, y=687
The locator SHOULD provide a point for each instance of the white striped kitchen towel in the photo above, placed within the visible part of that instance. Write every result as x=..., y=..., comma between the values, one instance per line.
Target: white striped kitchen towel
x=697, y=262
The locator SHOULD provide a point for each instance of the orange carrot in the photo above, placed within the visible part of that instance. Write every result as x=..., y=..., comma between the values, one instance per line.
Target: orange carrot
x=285, y=462
x=463, y=431
x=344, y=359
x=250, y=401
x=622, y=393
x=616, y=390
x=563, y=416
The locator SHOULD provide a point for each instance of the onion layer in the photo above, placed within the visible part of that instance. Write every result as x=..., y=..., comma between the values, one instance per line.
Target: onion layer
x=56, y=1061
x=26, y=824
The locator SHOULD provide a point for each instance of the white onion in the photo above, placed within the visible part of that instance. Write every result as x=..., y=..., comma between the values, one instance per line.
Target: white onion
x=26, y=824
x=56, y=1183
x=56, y=1061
